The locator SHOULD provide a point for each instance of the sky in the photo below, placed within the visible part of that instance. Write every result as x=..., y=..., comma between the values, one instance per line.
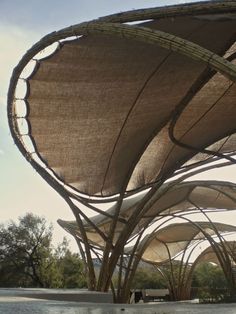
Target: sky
x=23, y=23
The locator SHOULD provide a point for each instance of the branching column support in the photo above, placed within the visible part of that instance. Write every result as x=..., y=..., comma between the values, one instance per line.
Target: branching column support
x=223, y=255
x=105, y=274
x=91, y=272
x=170, y=42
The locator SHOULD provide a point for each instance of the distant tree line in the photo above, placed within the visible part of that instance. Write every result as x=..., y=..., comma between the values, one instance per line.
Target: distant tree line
x=28, y=258
x=208, y=282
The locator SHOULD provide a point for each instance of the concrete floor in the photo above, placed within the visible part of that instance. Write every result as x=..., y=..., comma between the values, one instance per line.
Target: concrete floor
x=15, y=301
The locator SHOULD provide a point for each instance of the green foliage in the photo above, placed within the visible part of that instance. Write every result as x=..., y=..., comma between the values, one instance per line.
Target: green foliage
x=72, y=271
x=70, y=267
x=211, y=283
x=25, y=250
x=28, y=259
x=146, y=278
x=209, y=276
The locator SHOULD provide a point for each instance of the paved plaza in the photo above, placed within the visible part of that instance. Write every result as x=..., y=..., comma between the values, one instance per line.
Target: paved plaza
x=14, y=301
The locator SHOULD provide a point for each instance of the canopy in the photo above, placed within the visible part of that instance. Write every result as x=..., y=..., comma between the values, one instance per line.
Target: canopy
x=164, y=244
x=180, y=198
x=110, y=112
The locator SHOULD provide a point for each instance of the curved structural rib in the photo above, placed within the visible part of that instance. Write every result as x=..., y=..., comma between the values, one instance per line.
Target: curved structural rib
x=100, y=164
x=118, y=109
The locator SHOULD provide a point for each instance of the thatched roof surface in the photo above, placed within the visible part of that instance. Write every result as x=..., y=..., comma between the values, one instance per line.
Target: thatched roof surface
x=183, y=197
x=175, y=238
x=209, y=255
x=103, y=110
x=163, y=244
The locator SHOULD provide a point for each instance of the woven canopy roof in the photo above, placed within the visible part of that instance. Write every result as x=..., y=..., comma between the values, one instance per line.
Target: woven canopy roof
x=183, y=197
x=179, y=197
x=195, y=195
x=209, y=255
x=175, y=238
x=103, y=110
x=158, y=246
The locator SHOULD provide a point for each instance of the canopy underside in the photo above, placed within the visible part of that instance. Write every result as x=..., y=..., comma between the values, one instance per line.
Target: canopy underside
x=101, y=108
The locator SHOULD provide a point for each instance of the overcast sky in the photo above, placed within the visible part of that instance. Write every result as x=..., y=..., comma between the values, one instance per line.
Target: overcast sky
x=22, y=23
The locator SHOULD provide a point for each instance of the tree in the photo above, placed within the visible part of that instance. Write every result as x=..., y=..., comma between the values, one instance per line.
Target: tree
x=146, y=278
x=210, y=276
x=70, y=267
x=211, y=282
x=28, y=258
x=25, y=252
